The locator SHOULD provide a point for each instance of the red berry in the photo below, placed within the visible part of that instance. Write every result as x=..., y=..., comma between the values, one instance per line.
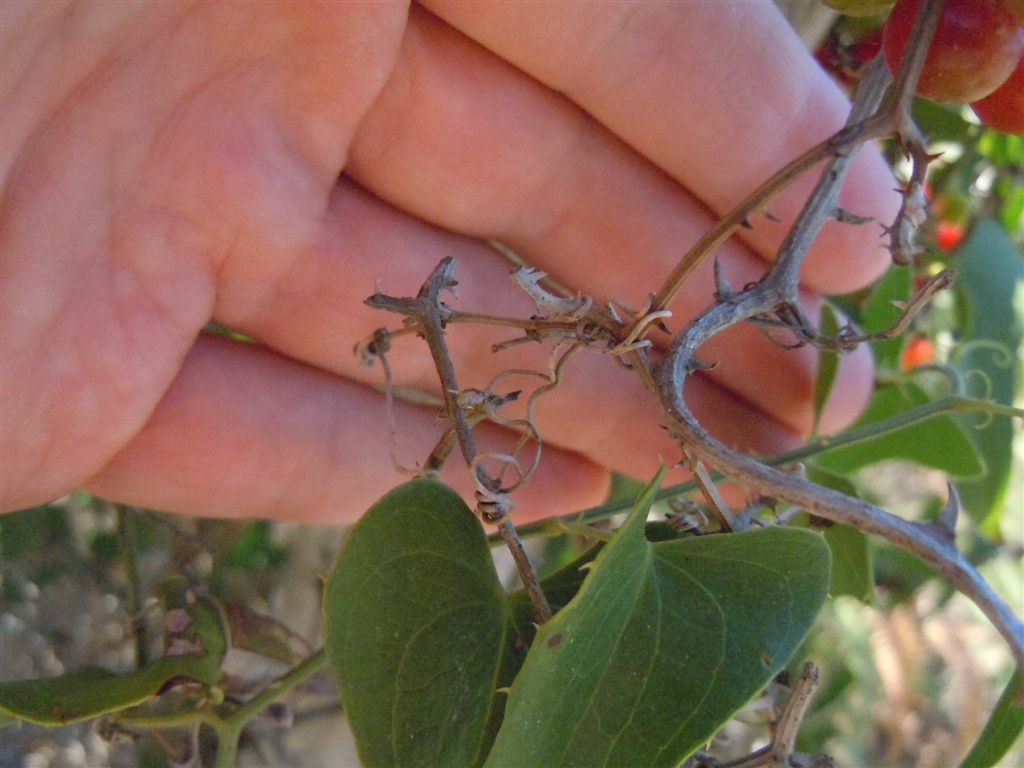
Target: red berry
x=918, y=351
x=948, y=235
x=976, y=46
x=865, y=50
x=1003, y=109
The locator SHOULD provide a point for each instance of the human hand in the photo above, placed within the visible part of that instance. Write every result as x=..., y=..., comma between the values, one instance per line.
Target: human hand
x=168, y=164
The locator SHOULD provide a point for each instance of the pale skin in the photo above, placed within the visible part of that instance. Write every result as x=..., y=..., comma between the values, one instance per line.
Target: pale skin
x=265, y=165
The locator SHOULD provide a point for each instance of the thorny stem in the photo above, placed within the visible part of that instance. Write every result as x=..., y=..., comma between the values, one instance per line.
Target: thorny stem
x=915, y=415
x=851, y=136
x=426, y=309
x=783, y=279
x=780, y=753
x=891, y=114
x=784, y=740
x=905, y=80
x=778, y=288
x=921, y=539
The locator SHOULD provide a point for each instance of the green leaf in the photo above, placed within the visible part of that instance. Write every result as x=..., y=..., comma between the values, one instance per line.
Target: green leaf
x=938, y=442
x=199, y=645
x=415, y=630
x=663, y=643
x=624, y=488
x=561, y=586
x=879, y=314
x=1002, y=729
x=940, y=122
x=828, y=364
x=991, y=280
x=29, y=530
x=852, y=571
x=899, y=573
x=90, y=691
x=1011, y=213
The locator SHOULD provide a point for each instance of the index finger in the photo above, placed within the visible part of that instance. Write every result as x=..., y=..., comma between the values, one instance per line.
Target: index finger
x=729, y=78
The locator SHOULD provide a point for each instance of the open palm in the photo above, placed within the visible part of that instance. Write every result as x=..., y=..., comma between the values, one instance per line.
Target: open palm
x=264, y=165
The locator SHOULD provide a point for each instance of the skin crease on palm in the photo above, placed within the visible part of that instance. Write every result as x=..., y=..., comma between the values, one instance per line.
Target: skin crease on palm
x=266, y=165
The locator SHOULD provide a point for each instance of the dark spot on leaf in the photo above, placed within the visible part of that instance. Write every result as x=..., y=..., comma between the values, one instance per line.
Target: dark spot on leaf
x=767, y=660
x=554, y=640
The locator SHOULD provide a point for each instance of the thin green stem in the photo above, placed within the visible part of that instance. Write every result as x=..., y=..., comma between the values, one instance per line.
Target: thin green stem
x=127, y=540
x=228, y=737
x=168, y=720
x=923, y=412
x=588, y=531
x=278, y=687
x=229, y=727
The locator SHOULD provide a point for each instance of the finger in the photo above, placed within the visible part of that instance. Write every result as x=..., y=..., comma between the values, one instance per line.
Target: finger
x=243, y=432
x=719, y=95
x=602, y=411
x=565, y=193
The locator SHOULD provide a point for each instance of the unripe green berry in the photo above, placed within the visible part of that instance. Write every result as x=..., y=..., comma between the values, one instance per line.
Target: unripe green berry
x=860, y=7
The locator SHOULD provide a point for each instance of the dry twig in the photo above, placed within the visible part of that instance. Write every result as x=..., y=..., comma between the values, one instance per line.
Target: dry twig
x=431, y=314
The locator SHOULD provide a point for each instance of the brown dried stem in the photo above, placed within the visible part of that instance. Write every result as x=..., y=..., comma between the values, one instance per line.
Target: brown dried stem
x=430, y=313
x=780, y=753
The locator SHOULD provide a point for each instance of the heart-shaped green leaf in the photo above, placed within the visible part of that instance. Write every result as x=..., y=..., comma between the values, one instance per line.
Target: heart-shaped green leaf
x=415, y=625
x=663, y=643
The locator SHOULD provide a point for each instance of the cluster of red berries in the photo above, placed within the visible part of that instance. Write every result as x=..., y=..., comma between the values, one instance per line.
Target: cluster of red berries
x=976, y=55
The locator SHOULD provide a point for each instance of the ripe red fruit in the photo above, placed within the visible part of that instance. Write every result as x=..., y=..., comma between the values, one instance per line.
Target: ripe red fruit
x=867, y=47
x=1003, y=109
x=918, y=351
x=976, y=46
x=948, y=235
